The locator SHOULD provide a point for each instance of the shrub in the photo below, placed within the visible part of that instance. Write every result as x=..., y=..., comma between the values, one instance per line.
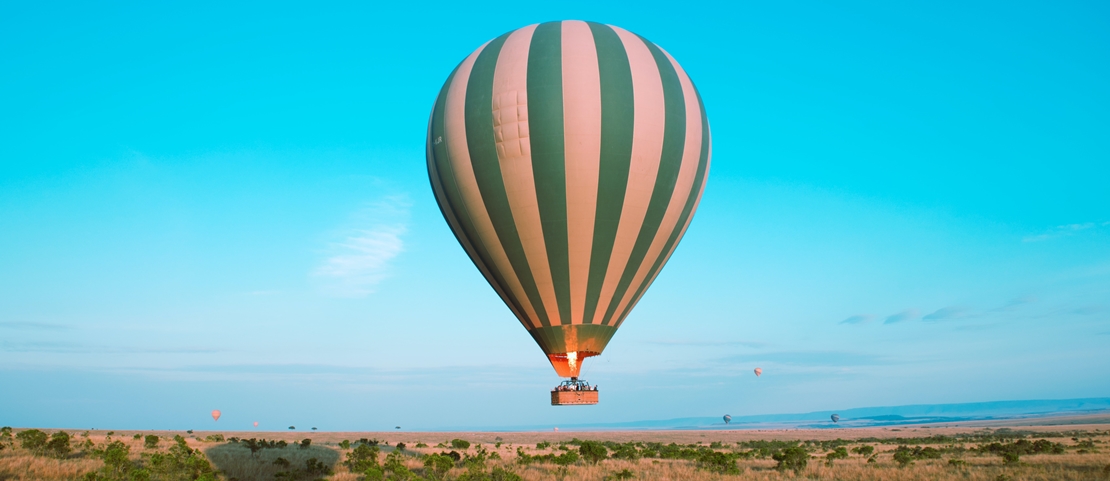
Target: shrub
x=400, y=446
x=438, y=464
x=502, y=474
x=137, y=436
x=543, y=445
x=345, y=444
x=566, y=459
x=422, y=445
x=626, y=451
x=838, y=453
x=623, y=474
x=592, y=451
x=315, y=469
x=373, y=473
x=956, y=462
x=460, y=444
x=363, y=457
x=903, y=456
x=151, y=441
x=305, y=443
x=864, y=450
x=1010, y=457
x=32, y=439
x=58, y=445
x=115, y=458
x=718, y=462
x=794, y=458
x=395, y=463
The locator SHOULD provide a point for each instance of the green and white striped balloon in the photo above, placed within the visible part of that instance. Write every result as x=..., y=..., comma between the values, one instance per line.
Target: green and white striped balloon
x=569, y=158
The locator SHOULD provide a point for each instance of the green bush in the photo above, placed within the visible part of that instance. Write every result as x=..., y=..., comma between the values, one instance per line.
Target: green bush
x=151, y=441
x=903, y=456
x=395, y=464
x=864, y=450
x=58, y=446
x=718, y=462
x=305, y=443
x=543, y=445
x=345, y=444
x=438, y=464
x=592, y=451
x=460, y=444
x=626, y=451
x=363, y=457
x=32, y=439
x=793, y=458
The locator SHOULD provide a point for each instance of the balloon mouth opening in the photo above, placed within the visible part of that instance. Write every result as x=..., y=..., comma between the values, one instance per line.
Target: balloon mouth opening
x=569, y=364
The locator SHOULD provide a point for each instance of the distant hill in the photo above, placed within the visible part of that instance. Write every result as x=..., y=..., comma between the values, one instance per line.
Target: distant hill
x=867, y=417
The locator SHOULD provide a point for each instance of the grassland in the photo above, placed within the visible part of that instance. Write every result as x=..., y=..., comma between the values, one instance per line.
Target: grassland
x=1070, y=452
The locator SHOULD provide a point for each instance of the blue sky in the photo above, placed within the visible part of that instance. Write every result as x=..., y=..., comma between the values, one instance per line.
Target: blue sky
x=208, y=206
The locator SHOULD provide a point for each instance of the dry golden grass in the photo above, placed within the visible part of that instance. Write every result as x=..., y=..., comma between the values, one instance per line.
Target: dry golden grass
x=234, y=460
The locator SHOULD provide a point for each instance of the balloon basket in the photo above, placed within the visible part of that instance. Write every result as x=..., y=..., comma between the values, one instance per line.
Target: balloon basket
x=573, y=393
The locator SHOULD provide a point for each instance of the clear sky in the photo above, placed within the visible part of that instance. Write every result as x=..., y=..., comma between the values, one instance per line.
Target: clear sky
x=206, y=206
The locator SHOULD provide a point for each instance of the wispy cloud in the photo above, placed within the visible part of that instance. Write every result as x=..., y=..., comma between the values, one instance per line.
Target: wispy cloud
x=358, y=262
x=1064, y=231
x=946, y=313
x=858, y=319
x=906, y=315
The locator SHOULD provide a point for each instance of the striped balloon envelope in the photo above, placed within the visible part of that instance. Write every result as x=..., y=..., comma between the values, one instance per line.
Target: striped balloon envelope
x=569, y=158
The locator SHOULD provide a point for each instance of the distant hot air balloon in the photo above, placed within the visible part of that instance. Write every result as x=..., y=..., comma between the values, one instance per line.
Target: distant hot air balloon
x=556, y=429
x=569, y=158
x=728, y=419
x=215, y=414
x=758, y=371
x=835, y=418
x=256, y=424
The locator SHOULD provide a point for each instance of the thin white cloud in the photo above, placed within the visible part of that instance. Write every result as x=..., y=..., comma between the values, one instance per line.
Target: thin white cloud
x=361, y=260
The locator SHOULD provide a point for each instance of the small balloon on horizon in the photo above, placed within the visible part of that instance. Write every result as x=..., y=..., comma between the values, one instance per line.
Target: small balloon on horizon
x=758, y=371
x=215, y=414
x=256, y=424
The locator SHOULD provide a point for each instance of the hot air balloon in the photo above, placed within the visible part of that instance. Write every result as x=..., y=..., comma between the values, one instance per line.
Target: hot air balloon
x=835, y=418
x=215, y=414
x=758, y=371
x=569, y=158
x=556, y=429
x=256, y=424
x=728, y=419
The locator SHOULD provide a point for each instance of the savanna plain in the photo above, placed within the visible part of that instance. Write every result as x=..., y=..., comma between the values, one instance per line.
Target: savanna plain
x=970, y=452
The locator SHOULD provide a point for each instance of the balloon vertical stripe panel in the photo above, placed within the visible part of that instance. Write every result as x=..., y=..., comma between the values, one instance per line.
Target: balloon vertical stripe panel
x=568, y=159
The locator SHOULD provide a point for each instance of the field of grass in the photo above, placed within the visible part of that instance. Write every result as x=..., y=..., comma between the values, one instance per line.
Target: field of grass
x=1079, y=452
